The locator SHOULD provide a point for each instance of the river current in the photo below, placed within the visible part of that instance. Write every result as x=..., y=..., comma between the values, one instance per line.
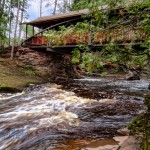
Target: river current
x=69, y=115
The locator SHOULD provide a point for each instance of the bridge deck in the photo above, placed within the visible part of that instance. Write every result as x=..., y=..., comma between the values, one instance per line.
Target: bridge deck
x=67, y=49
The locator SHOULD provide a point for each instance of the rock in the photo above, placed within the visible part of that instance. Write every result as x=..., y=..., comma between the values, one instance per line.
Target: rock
x=132, y=75
x=149, y=86
x=123, y=131
x=120, y=139
x=47, y=64
x=132, y=143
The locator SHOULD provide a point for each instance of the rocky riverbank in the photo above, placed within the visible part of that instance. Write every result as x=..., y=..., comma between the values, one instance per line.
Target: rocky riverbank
x=30, y=66
x=38, y=66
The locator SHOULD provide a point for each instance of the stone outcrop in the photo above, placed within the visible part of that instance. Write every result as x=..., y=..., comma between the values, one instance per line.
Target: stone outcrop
x=46, y=63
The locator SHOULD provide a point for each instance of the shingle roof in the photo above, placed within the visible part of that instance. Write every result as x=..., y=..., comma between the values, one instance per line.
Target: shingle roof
x=57, y=17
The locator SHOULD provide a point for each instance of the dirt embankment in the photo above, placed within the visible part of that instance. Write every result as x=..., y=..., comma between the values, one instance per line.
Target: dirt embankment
x=32, y=66
x=13, y=77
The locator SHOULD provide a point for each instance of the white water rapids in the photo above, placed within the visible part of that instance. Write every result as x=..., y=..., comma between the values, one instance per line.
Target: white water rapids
x=43, y=116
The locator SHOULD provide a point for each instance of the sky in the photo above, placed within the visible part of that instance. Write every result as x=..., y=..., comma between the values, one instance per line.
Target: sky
x=34, y=10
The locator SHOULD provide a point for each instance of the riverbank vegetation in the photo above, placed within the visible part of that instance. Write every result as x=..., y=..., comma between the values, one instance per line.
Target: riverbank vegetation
x=13, y=78
x=121, y=29
x=141, y=125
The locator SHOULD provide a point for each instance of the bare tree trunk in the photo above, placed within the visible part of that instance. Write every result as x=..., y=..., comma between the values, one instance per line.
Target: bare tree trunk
x=40, y=8
x=1, y=4
x=41, y=3
x=55, y=6
x=22, y=13
x=69, y=4
x=10, y=20
x=9, y=32
x=15, y=31
x=65, y=6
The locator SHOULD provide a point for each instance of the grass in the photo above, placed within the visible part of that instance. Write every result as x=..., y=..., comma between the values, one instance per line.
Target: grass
x=14, y=77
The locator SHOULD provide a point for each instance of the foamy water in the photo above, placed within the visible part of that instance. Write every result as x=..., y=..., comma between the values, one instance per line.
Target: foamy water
x=42, y=117
x=41, y=109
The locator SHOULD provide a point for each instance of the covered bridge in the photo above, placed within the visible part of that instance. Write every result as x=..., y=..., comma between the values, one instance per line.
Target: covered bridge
x=40, y=41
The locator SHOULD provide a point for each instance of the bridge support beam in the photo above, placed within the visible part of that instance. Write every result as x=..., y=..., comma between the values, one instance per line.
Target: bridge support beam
x=33, y=30
x=26, y=31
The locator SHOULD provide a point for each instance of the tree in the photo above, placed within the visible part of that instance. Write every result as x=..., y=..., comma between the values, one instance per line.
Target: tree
x=64, y=6
x=82, y=4
x=41, y=4
x=11, y=16
x=55, y=6
x=3, y=22
x=15, y=31
x=110, y=22
x=21, y=19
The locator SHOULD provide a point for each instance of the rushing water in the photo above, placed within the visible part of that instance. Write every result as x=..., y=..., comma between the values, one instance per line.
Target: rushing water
x=69, y=116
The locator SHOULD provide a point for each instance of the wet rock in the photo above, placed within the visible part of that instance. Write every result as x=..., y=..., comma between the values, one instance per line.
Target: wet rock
x=108, y=101
x=123, y=131
x=5, y=89
x=132, y=75
x=149, y=86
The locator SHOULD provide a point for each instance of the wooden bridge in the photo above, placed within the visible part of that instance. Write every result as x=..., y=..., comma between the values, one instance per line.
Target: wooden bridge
x=93, y=39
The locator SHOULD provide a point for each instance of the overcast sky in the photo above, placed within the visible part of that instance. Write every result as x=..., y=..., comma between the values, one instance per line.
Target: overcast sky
x=34, y=10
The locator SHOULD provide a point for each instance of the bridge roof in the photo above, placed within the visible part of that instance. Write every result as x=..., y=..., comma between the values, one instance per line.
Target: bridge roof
x=45, y=21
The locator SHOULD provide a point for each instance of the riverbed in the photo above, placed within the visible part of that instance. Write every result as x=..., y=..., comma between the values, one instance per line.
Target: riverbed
x=69, y=115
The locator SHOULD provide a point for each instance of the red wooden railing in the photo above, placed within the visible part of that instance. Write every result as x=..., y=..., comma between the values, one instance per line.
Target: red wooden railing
x=99, y=37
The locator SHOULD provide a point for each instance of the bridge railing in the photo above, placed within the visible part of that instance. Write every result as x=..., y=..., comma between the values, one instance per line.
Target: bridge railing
x=99, y=37
x=122, y=35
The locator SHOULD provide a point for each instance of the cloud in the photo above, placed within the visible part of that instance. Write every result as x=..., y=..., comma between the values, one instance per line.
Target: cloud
x=34, y=9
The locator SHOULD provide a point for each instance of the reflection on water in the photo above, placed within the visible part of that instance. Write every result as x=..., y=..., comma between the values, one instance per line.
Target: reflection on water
x=48, y=117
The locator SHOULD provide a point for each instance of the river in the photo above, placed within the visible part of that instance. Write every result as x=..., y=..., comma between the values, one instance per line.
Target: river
x=78, y=114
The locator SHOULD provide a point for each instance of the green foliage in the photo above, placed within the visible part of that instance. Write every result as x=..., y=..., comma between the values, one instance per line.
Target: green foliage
x=108, y=27
x=30, y=30
x=29, y=71
x=76, y=56
x=91, y=62
x=3, y=26
x=141, y=125
x=69, y=35
x=82, y=4
x=124, y=19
